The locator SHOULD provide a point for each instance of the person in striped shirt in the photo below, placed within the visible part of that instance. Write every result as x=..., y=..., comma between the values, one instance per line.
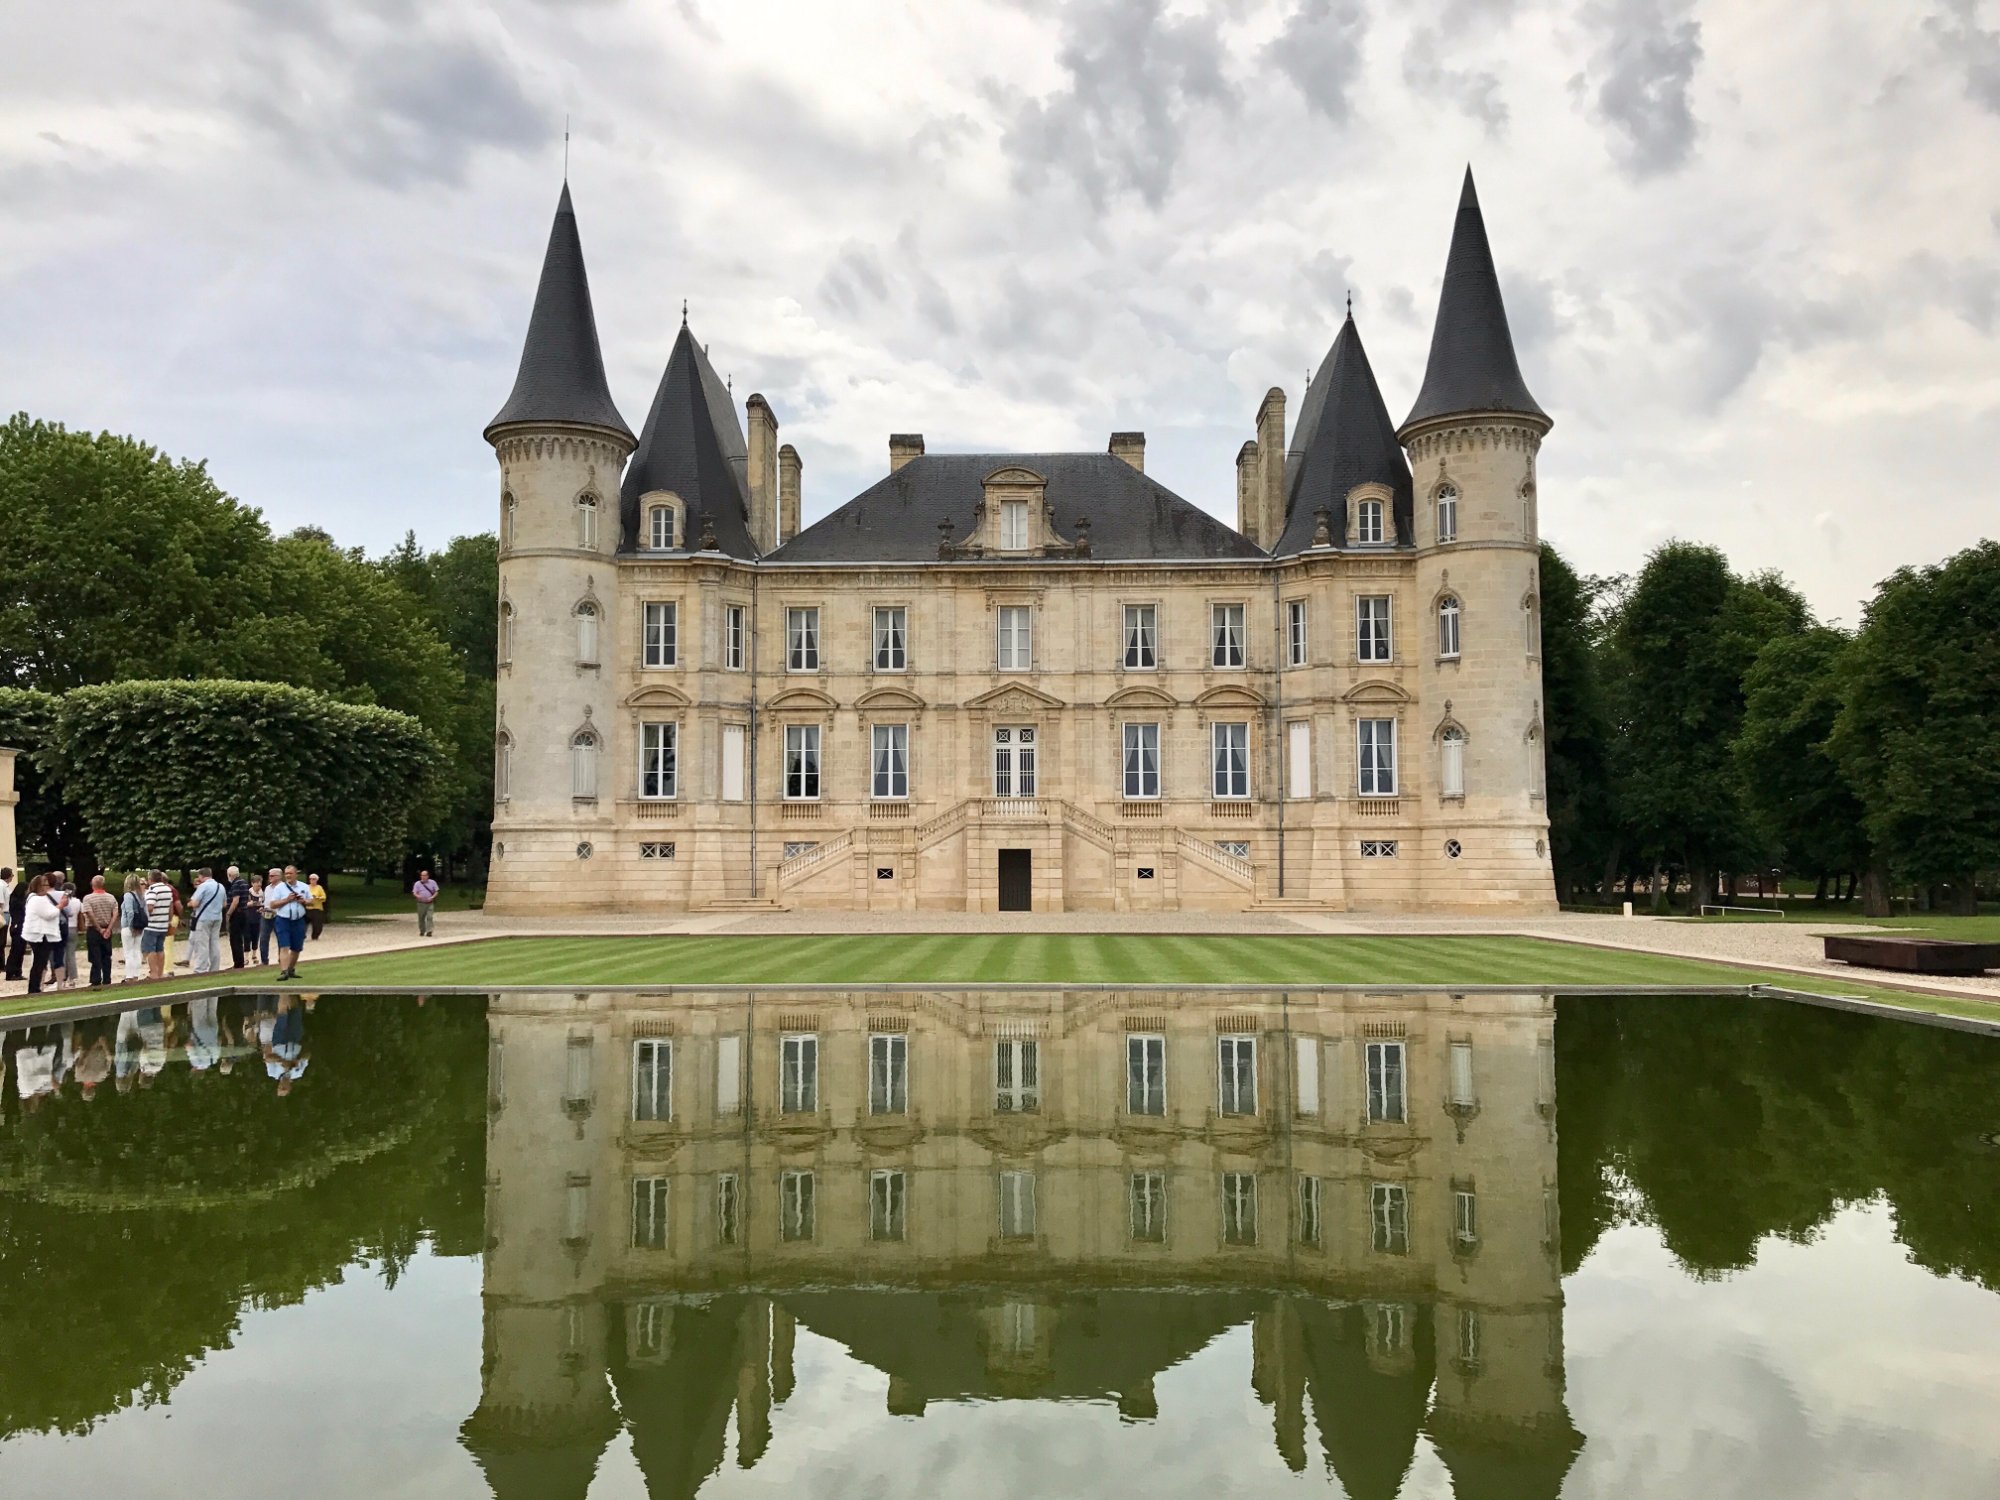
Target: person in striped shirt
x=162, y=902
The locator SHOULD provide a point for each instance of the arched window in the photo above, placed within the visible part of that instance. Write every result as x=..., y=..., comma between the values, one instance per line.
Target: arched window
x=506, y=632
x=660, y=528
x=1368, y=522
x=586, y=522
x=1538, y=772
x=503, y=765
x=586, y=633
x=1448, y=626
x=1531, y=625
x=506, y=521
x=583, y=765
x=1447, y=514
x=1451, y=762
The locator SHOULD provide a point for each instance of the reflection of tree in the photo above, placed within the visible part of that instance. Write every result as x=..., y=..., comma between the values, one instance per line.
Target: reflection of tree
x=1735, y=1121
x=131, y=1298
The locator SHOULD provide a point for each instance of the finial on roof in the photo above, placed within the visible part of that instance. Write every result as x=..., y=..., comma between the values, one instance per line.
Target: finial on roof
x=1350, y=302
x=565, y=148
x=684, y=312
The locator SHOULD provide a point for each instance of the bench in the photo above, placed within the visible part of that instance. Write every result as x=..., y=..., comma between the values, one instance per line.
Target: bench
x=1913, y=955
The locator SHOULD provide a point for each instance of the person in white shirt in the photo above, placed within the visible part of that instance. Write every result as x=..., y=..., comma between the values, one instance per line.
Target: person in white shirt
x=6, y=895
x=205, y=924
x=42, y=927
x=285, y=897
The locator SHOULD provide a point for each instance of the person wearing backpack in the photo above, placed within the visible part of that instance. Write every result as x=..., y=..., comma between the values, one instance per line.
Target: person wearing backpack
x=132, y=925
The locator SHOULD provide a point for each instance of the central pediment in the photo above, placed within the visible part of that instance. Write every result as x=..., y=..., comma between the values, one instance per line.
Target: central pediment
x=1014, y=698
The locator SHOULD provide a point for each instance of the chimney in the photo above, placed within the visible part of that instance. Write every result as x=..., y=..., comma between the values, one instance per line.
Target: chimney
x=1246, y=489
x=904, y=446
x=1130, y=446
x=763, y=474
x=1271, y=468
x=789, y=471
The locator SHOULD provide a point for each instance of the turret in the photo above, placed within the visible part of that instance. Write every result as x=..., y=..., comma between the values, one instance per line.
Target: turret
x=693, y=465
x=561, y=444
x=1344, y=452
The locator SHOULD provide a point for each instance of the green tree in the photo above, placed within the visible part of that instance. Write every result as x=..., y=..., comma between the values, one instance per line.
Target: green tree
x=1577, y=720
x=43, y=822
x=1921, y=719
x=1792, y=785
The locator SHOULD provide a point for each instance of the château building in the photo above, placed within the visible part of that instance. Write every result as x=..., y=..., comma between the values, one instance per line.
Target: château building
x=1011, y=681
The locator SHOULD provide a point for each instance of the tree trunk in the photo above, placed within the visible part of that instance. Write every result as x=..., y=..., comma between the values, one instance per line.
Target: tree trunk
x=1965, y=896
x=1875, y=889
x=1701, y=888
x=1611, y=876
x=1819, y=891
x=1656, y=889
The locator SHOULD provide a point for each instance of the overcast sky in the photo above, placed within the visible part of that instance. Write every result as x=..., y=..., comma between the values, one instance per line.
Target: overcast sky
x=1751, y=251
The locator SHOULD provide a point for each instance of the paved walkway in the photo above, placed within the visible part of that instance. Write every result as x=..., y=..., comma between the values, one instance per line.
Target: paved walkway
x=1791, y=945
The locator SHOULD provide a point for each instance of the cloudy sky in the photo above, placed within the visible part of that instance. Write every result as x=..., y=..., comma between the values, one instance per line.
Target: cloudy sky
x=1751, y=251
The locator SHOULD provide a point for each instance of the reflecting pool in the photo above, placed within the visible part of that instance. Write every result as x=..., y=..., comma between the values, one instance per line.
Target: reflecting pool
x=1000, y=1242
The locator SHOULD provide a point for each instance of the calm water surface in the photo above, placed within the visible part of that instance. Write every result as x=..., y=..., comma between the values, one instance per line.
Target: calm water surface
x=1006, y=1244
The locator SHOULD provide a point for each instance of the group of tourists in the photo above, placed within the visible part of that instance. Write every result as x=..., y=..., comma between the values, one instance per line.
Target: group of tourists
x=211, y=1035
x=45, y=916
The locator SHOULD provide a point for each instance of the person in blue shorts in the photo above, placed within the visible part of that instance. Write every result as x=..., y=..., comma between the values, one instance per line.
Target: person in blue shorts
x=285, y=898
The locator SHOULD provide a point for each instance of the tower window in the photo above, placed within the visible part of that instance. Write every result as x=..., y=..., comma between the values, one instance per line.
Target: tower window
x=506, y=521
x=586, y=634
x=660, y=528
x=1447, y=514
x=503, y=765
x=732, y=636
x=659, y=768
x=506, y=634
x=586, y=522
x=1448, y=611
x=583, y=765
x=1368, y=523
x=1451, y=762
x=1295, y=632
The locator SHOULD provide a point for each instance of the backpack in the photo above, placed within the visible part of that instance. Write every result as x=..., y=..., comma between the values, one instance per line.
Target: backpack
x=135, y=912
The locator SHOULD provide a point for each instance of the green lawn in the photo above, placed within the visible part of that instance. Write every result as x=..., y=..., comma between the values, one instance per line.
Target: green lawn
x=1052, y=958
x=352, y=898
x=1984, y=928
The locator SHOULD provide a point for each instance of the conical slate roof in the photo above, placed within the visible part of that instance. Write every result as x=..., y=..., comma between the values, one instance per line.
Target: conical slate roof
x=1472, y=366
x=562, y=369
x=693, y=446
x=1343, y=438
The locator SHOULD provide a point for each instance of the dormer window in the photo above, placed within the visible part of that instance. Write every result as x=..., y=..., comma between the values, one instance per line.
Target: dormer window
x=1368, y=523
x=660, y=528
x=1447, y=514
x=1014, y=526
x=586, y=522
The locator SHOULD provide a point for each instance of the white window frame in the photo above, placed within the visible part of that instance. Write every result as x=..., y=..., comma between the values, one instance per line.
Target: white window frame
x=1375, y=757
x=798, y=1194
x=587, y=620
x=652, y=1079
x=1450, y=613
x=1298, y=759
x=1464, y=1217
x=661, y=537
x=1015, y=749
x=1146, y=1200
x=1014, y=1199
x=1017, y=1076
x=1389, y=1218
x=506, y=653
x=1369, y=516
x=1374, y=628
x=1447, y=513
x=888, y=1205
x=1236, y=1074
x=1305, y=1055
x=728, y=1208
x=659, y=760
x=1310, y=1227
x=888, y=1073
x=652, y=1212
x=1451, y=762
x=583, y=748
x=1146, y=1085
x=890, y=637
x=1228, y=640
x=659, y=633
x=507, y=518
x=798, y=1073
x=1229, y=760
x=503, y=765
x=889, y=762
x=735, y=762
x=728, y=1076
x=1298, y=640
x=586, y=521
x=802, y=763
x=1013, y=525
x=1387, y=1075
x=1014, y=638
x=1239, y=1208
x=1141, y=767
x=735, y=636
x=1142, y=637
x=802, y=638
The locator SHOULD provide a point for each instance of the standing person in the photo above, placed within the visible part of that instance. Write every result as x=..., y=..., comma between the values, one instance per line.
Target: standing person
x=161, y=901
x=285, y=899
x=100, y=923
x=42, y=926
x=237, y=916
x=17, y=942
x=6, y=914
x=425, y=893
x=315, y=907
x=265, y=921
x=205, y=923
x=132, y=924
x=65, y=959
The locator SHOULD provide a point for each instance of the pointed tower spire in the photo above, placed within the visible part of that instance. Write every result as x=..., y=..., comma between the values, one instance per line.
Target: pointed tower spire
x=693, y=449
x=1472, y=366
x=561, y=378
x=1343, y=438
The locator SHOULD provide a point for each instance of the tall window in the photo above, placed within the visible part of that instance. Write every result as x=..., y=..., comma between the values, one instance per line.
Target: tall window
x=652, y=1079
x=888, y=1074
x=660, y=527
x=649, y=1213
x=1462, y=1094
x=892, y=639
x=1147, y=1192
x=1231, y=744
x=1015, y=624
x=1298, y=759
x=888, y=1204
x=1447, y=514
x=1531, y=627
x=890, y=777
x=728, y=1075
x=506, y=521
x=586, y=634
x=661, y=635
x=506, y=632
x=503, y=765
x=1465, y=1218
x=586, y=522
x=1017, y=1077
x=802, y=640
x=1017, y=1205
x=1388, y=1102
x=576, y=1208
x=1145, y=1074
x=1142, y=760
x=728, y=1207
x=576, y=1073
x=1368, y=522
x=1226, y=635
x=1305, y=1073
x=583, y=765
x=1014, y=761
x=1236, y=1074
x=659, y=760
x=1295, y=632
x=1451, y=762
x=802, y=762
x=1371, y=627
x=735, y=738
x=798, y=1074
x=1142, y=637
x=1377, y=739
x=1307, y=1228
x=1448, y=611
x=733, y=643
x=796, y=1192
x=1013, y=525
x=1538, y=770
x=1239, y=1208
x=1389, y=1218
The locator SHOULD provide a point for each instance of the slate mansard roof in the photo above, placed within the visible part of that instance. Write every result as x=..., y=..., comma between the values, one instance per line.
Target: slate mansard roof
x=1132, y=518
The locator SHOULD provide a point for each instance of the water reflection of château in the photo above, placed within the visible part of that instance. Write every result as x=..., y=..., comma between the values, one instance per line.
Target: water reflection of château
x=1023, y=1195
